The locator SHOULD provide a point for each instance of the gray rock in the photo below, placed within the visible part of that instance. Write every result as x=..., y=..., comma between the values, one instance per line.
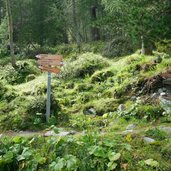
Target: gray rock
x=148, y=140
x=92, y=111
x=121, y=107
x=167, y=81
x=166, y=129
x=161, y=90
x=1, y=135
x=133, y=98
x=165, y=103
x=138, y=98
x=131, y=126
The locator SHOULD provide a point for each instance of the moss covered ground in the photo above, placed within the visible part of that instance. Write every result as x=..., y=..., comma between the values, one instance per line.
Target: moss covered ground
x=85, y=98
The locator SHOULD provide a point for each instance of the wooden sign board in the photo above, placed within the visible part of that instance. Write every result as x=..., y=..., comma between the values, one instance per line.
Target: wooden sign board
x=50, y=57
x=50, y=62
x=49, y=69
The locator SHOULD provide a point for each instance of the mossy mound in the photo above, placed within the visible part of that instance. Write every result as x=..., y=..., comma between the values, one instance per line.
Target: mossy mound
x=102, y=106
x=84, y=65
x=20, y=74
x=101, y=76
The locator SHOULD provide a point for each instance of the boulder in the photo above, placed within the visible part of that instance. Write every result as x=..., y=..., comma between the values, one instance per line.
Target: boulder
x=121, y=107
x=131, y=126
x=165, y=129
x=148, y=140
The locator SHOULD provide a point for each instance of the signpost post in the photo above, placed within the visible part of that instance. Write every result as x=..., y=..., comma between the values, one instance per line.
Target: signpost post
x=48, y=104
x=49, y=63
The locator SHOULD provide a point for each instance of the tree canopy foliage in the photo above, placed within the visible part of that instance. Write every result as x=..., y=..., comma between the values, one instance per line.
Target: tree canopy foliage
x=52, y=22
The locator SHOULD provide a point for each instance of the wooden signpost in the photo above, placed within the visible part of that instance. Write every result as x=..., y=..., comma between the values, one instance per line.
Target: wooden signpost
x=50, y=64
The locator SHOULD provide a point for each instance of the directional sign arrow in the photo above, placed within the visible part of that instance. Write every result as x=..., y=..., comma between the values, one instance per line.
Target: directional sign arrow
x=50, y=62
x=49, y=69
x=49, y=57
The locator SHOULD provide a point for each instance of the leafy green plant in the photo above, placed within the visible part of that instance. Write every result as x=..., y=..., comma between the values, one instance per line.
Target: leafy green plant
x=68, y=162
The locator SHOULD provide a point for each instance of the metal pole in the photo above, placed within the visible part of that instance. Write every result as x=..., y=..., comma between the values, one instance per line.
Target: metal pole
x=48, y=104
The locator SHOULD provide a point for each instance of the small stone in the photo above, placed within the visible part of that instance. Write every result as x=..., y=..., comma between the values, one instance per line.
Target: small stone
x=138, y=98
x=92, y=111
x=1, y=135
x=160, y=90
x=148, y=140
x=133, y=98
x=163, y=94
x=121, y=107
x=131, y=126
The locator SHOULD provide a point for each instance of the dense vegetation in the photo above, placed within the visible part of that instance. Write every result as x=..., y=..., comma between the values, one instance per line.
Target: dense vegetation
x=111, y=103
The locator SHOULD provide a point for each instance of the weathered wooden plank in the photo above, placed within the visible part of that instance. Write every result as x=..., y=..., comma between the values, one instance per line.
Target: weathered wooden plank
x=50, y=62
x=49, y=69
x=50, y=57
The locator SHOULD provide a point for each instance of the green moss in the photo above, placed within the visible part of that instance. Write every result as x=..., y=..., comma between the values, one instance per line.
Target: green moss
x=19, y=75
x=164, y=46
x=84, y=87
x=156, y=134
x=85, y=65
x=101, y=76
x=102, y=106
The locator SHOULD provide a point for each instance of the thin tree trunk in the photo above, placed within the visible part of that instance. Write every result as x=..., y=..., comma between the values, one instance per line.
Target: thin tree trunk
x=142, y=46
x=95, y=33
x=76, y=31
x=10, y=29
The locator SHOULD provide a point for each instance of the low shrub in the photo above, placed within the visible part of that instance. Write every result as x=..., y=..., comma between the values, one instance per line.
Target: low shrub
x=164, y=46
x=2, y=89
x=38, y=105
x=140, y=110
x=19, y=75
x=85, y=65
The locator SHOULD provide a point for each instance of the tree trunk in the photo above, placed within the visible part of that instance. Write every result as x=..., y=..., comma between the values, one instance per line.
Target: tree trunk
x=76, y=29
x=95, y=33
x=10, y=29
x=142, y=46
